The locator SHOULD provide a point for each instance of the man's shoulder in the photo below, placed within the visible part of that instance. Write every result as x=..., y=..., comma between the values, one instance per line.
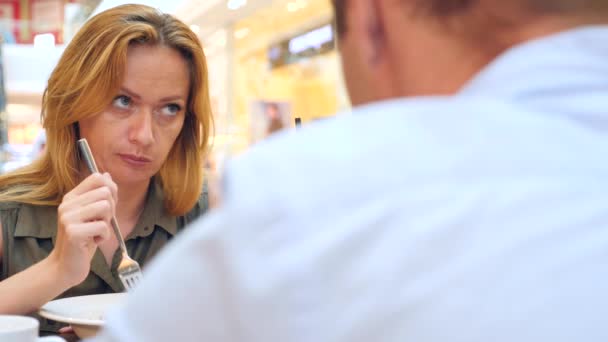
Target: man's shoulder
x=345, y=153
x=347, y=134
x=372, y=134
x=436, y=139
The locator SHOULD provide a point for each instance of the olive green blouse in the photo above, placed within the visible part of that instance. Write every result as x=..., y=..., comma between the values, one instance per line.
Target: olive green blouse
x=29, y=234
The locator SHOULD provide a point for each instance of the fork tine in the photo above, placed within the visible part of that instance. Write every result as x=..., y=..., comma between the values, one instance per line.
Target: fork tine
x=130, y=280
x=129, y=283
x=129, y=272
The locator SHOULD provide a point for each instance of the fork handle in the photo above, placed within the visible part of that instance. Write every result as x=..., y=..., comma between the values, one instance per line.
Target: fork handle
x=121, y=241
x=87, y=155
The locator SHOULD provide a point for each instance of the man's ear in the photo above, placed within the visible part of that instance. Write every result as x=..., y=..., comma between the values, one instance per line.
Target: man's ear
x=363, y=29
x=365, y=25
x=376, y=32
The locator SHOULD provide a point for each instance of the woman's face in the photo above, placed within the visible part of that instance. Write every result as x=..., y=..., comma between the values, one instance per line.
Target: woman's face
x=133, y=136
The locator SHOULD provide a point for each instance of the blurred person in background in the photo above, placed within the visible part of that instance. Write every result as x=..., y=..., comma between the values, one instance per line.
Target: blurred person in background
x=273, y=115
x=464, y=200
x=133, y=82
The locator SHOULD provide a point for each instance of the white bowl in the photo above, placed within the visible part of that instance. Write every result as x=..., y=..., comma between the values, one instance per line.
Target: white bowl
x=84, y=313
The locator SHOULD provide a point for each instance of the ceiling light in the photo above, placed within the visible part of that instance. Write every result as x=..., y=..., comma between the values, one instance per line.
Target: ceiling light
x=44, y=40
x=241, y=33
x=292, y=7
x=196, y=29
x=235, y=4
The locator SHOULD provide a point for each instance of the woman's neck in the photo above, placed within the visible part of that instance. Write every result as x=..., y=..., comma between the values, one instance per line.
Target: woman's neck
x=131, y=201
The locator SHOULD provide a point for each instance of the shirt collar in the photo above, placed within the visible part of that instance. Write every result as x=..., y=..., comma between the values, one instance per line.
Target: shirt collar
x=547, y=66
x=154, y=215
x=36, y=221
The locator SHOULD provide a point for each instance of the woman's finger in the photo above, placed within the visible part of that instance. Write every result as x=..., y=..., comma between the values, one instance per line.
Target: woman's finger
x=98, y=194
x=93, y=181
x=66, y=330
x=96, y=231
x=112, y=186
x=101, y=210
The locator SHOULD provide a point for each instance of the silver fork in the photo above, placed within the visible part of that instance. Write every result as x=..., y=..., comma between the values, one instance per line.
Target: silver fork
x=129, y=271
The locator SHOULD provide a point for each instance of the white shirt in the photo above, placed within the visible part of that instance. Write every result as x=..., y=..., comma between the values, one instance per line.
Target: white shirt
x=477, y=217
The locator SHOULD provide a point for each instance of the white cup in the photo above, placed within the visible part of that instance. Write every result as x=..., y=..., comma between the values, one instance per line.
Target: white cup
x=22, y=329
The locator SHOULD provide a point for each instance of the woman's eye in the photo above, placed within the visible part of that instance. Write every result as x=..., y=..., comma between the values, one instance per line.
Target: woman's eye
x=171, y=109
x=122, y=102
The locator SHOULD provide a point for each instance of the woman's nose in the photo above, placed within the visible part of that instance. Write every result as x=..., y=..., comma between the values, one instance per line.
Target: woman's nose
x=141, y=130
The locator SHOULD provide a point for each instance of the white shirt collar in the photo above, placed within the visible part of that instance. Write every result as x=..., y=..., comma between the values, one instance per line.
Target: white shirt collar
x=573, y=58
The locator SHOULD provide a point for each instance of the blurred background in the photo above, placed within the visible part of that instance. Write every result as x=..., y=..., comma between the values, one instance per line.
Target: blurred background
x=270, y=62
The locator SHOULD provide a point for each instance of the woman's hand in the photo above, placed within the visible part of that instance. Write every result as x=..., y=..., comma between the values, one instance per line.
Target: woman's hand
x=83, y=222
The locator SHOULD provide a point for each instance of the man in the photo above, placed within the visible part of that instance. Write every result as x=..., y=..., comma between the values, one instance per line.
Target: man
x=466, y=199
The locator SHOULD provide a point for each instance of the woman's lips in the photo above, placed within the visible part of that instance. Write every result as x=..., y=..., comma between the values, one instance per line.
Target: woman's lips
x=137, y=161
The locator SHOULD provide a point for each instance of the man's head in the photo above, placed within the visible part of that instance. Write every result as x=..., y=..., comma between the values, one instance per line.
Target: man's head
x=396, y=48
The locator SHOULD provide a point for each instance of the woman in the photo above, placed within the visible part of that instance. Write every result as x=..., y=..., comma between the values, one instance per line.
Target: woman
x=133, y=82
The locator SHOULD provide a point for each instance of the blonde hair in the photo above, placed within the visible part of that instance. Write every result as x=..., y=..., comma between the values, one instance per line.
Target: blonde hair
x=82, y=85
